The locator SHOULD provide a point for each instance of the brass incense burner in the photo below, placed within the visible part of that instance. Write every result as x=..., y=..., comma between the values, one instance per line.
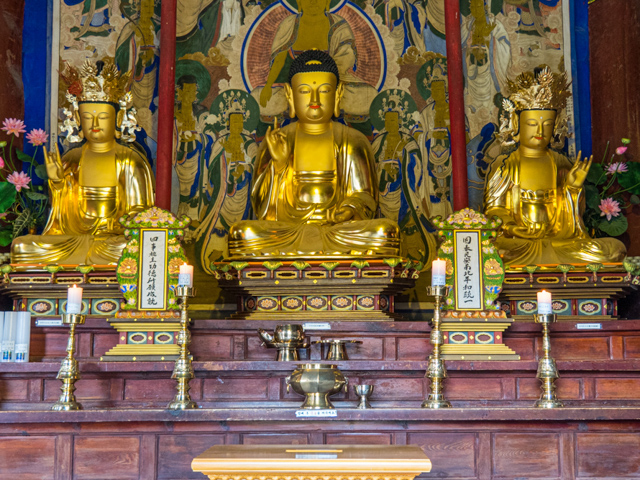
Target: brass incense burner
x=317, y=381
x=337, y=348
x=287, y=339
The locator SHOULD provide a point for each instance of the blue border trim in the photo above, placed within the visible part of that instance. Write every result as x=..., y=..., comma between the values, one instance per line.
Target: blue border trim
x=580, y=70
x=36, y=64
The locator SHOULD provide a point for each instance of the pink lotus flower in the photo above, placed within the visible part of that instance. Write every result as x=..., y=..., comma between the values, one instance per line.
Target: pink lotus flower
x=20, y=180
x=621, y=150
x=13, y=126
x=37, y=137
x=609, y=207
x=617, y=167
x=1, y=162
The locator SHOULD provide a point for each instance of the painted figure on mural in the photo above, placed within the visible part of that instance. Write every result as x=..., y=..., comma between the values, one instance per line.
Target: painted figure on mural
x=314, y=27
x=230, y=173
x=434, y=139
x=93, y=185
x=405, y=20
x=193, y=149
x=536, y=191
x=401, y=174
x=94, y=20
x=137, y=52
x=487, y=61
x=314, y=188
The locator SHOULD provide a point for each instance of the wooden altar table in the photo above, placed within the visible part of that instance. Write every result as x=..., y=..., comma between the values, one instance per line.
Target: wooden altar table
x=317, y=462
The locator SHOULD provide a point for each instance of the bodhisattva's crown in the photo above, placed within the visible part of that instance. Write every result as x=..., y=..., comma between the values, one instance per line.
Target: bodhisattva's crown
x=544, y=91
x=92, y=84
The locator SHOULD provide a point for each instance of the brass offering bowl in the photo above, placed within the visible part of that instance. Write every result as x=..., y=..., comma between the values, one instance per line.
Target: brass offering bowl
x=337, y=349
x=287, y=339
x=317, y=381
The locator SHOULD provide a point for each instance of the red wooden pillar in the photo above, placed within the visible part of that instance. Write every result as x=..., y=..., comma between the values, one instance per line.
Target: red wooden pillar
x=166, y=96
x=456, y=104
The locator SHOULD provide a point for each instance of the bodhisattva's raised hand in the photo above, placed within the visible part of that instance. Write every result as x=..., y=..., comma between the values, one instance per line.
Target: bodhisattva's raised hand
x=53, y=163
x=531, y=232
x=278, y=145
x=578, y=173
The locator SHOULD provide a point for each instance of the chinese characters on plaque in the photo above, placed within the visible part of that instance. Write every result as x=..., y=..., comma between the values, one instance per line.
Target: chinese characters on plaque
x=468, y=278
x=153, y=270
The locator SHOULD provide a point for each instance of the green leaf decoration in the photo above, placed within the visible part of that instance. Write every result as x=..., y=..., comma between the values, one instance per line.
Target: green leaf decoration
x=239, y=266
x=596, y=174
x=41, y=171
x=22, y=223
x=53, y=268
x=418, y=266
x=6, y=236
x=300, y=265
x=531, y=269
x=359, y=264
x=592, y=195
x=213, y=267
x=224, y=268
x=631, y=179
x=36, y=195
x=392, y=262
x=594, y=267
x=617, y=226
x=84, y=269
x=23, y=157
x=329, y=266
x=634, y=199
x=565, y=267
x=7, y=196
x=625, y=141
x=271, y=265
x=6, y=268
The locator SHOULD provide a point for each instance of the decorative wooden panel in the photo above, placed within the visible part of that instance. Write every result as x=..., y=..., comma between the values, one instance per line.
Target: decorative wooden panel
x=252, y=388
x=617, y=388
x=106, y=458
x=453, y=455
x=27, y=458
x=525, y=455
x=608, y=455
x=567, y=388
x=176, y=452
x=576, y=348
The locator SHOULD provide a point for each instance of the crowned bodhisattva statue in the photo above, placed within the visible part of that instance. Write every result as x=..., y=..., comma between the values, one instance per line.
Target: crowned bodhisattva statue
x=536, y=191
x=95, y=184
x=314, y=189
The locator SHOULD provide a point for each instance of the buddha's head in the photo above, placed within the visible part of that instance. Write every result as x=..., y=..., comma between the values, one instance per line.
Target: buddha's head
x=99, y=121
x=391, y=124
x=536, y=128
x=313, y=7
x=187, y=90
x=477, y=8
x=314, y=92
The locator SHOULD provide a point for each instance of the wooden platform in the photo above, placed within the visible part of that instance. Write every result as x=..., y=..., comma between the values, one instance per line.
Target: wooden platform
x=493, y=432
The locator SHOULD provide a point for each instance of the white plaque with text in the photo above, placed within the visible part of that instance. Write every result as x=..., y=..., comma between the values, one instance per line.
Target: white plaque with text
x=152, y=283
x=468, y=270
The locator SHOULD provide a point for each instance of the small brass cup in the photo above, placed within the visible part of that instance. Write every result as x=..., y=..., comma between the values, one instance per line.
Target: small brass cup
x=364, y=392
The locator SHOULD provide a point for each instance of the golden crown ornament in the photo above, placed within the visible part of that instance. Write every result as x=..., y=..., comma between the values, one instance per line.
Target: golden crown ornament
x=544, y=91
x=101, y=85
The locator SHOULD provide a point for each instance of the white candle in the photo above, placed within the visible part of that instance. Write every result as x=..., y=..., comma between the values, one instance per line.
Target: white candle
x=74, y=299
x=438, y=273
x=23, y=337
x=185, y=278
x=544, y=302
x=9, y=336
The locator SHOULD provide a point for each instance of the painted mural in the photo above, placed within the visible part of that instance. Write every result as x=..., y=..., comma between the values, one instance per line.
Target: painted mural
x=233, y=58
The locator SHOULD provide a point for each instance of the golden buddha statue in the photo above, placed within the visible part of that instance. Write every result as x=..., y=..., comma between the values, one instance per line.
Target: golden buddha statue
x=313, y=189
x=93, y=185
x=537, y=192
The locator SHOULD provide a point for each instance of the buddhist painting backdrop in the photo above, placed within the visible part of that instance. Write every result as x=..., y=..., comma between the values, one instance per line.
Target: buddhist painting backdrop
x=233, y=58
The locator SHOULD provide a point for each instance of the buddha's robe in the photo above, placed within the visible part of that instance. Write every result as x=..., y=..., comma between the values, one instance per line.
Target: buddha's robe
x=83, y=225
x=288, y=223
x=566, y=239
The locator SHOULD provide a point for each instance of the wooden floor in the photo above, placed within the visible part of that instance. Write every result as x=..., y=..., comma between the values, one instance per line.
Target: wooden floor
x=493, y=432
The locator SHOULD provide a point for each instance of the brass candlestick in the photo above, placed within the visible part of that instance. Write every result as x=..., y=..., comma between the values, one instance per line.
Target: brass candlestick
x=69, y=372
x=436, y=370
x=547, y=370
x=183, y=370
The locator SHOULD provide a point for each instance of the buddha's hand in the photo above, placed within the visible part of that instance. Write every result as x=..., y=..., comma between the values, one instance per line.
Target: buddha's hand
x=278, y=145
x=578, y=173
x=53, y=164
x=344, y=214
x=531, y=232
